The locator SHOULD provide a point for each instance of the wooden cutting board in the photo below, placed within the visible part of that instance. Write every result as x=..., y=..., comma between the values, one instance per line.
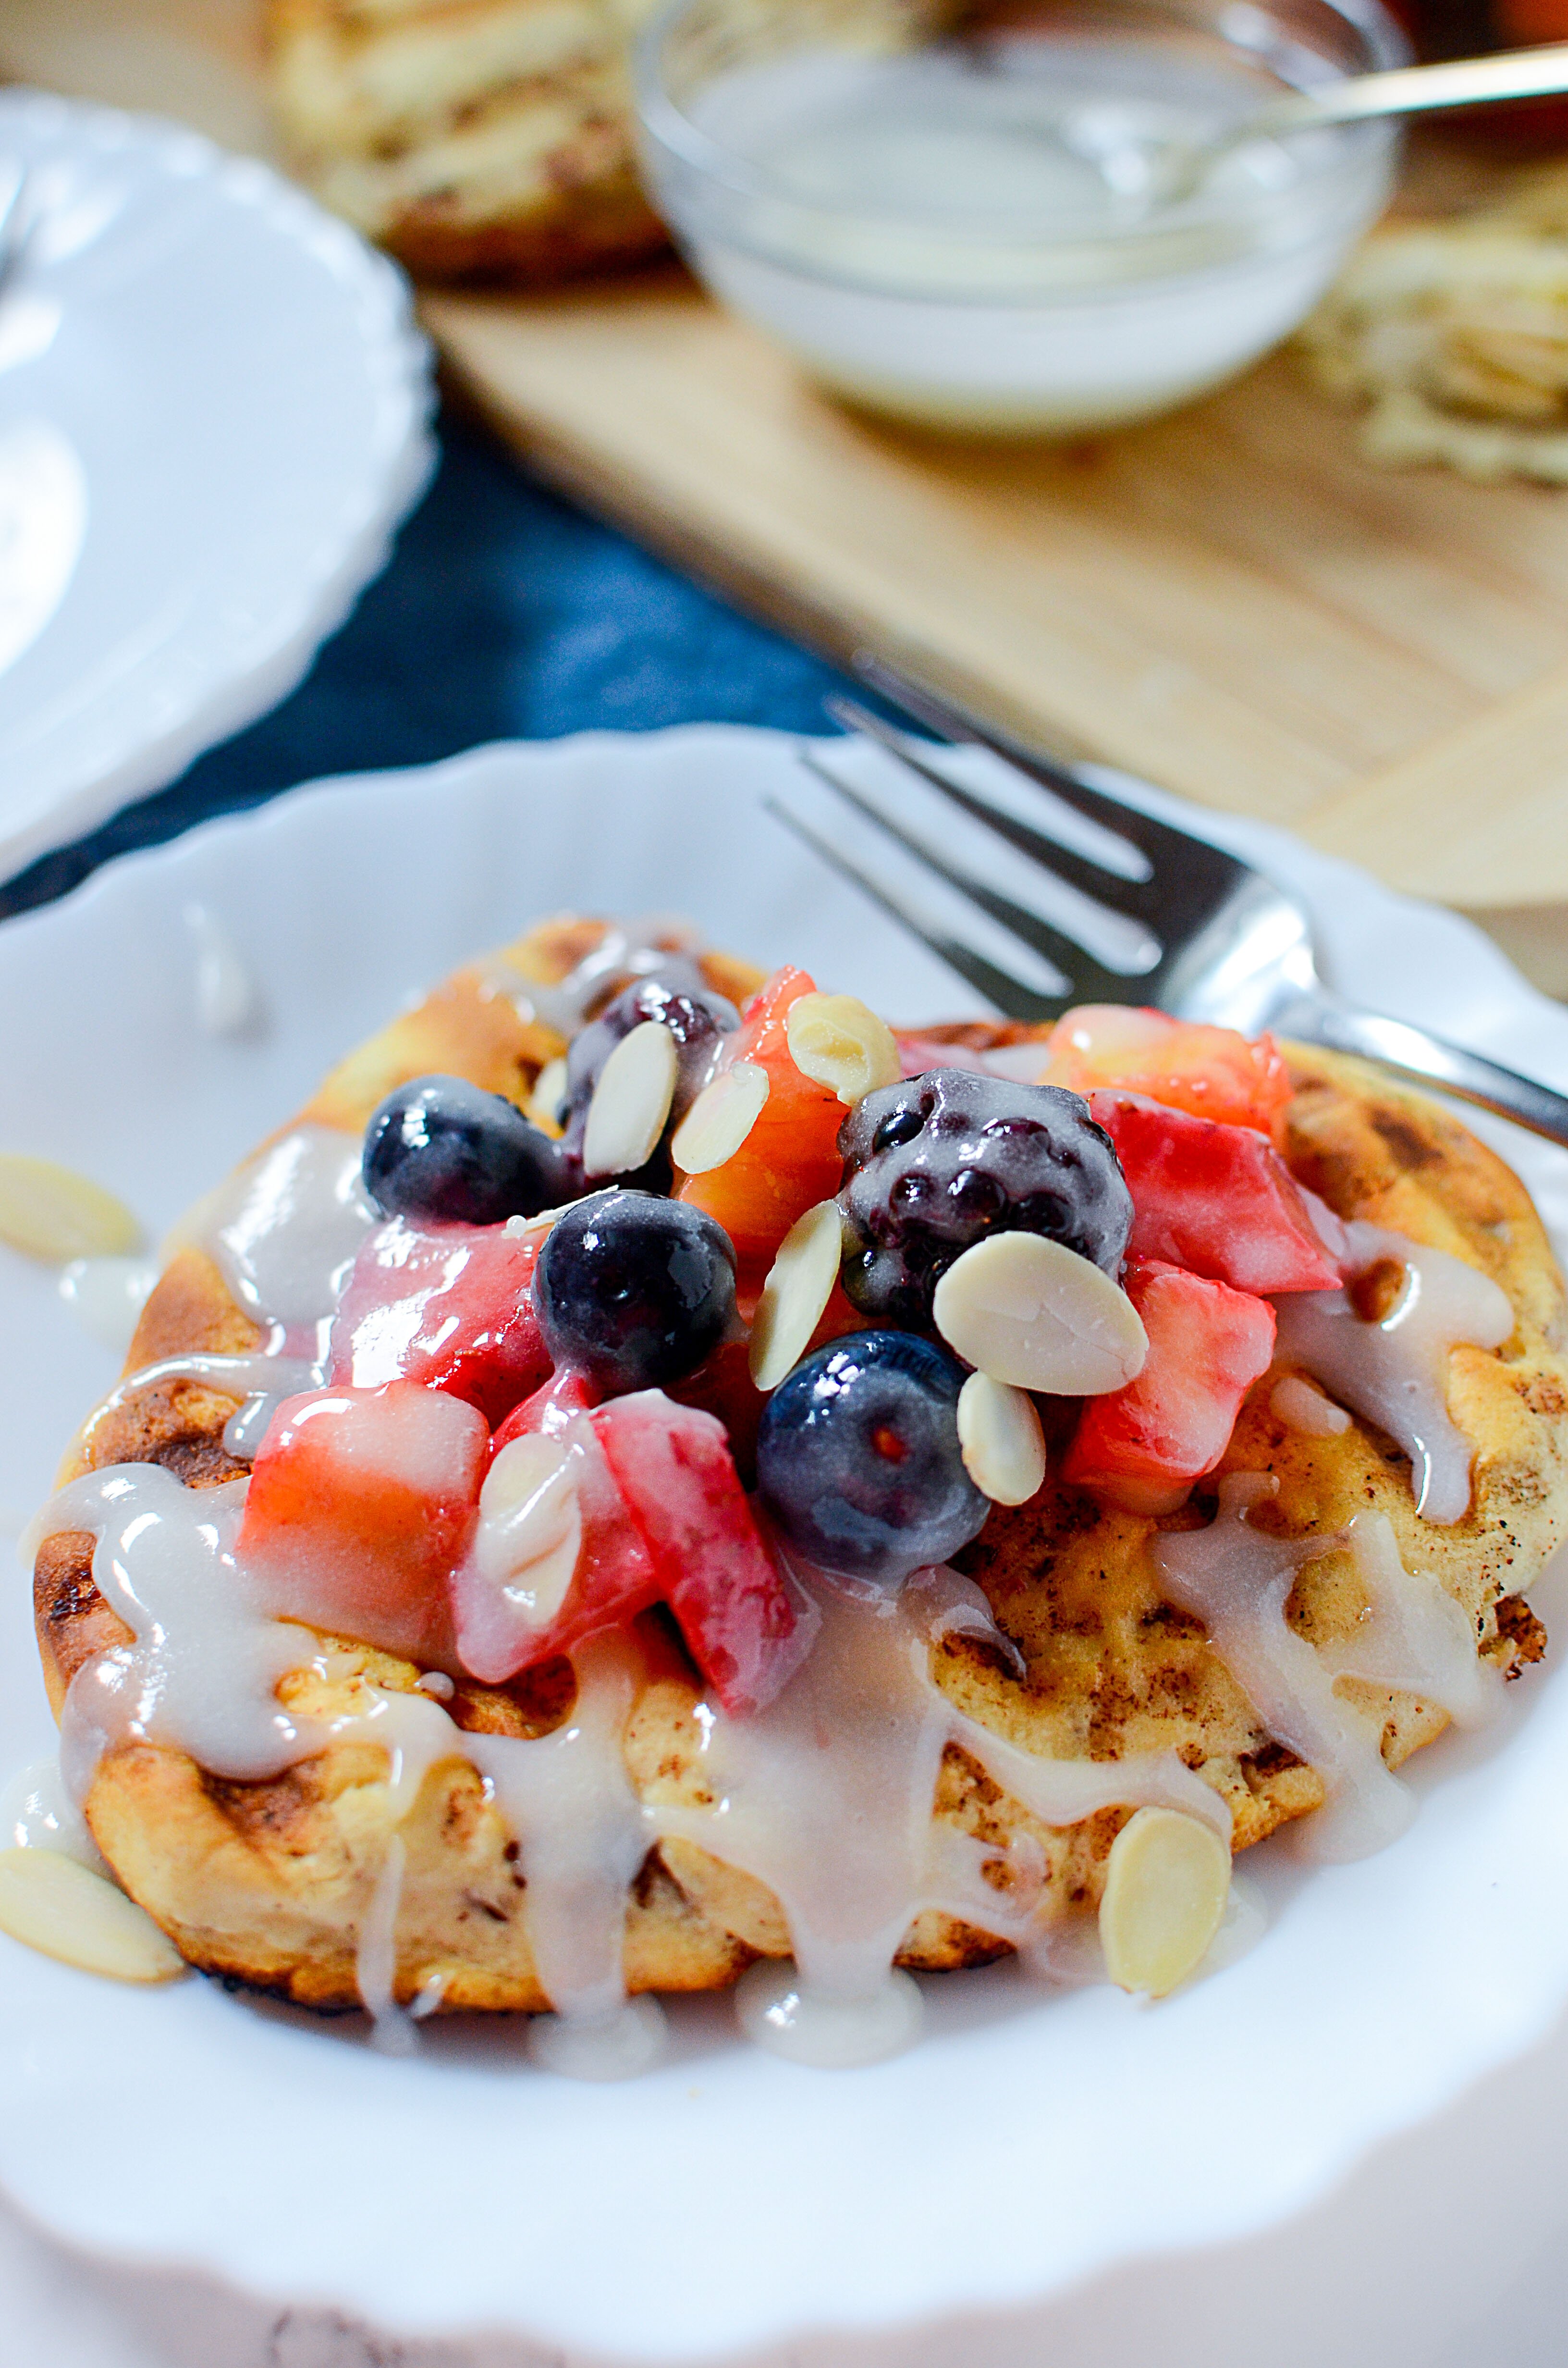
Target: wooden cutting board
x=1228, y=601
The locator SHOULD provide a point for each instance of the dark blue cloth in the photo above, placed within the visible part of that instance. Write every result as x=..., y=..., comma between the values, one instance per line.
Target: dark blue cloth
x=506, y=613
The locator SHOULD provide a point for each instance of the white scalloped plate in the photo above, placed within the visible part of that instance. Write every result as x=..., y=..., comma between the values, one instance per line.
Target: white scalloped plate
x=214, y=410
x=938, y=2210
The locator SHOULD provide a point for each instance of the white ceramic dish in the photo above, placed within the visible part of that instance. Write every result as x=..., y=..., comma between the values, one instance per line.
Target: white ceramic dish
x=729, y=2206
x=214, y=410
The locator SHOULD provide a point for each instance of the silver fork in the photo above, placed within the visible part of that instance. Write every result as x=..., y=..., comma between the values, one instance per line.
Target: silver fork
x=1223, y=942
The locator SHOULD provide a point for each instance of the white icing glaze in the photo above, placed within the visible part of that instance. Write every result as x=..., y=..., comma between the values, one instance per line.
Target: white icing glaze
x=375, y=1960
x=226, y=999
x=106, y=1295
x=1302, y=1408
x=202, y=1668
x=37, y=1813
x=616, y=2047
x=1414, y=1636
x=1395, y=1372
x=260, y=1379
x=827, y=1794
x=1237, y=1579
x=660, y=942
x=779, y=2012
x=580, y=1831
x=284, y=1230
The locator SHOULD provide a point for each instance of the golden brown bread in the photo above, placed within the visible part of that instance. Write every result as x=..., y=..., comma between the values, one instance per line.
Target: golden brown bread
x=476, y=139
x=268, y=1882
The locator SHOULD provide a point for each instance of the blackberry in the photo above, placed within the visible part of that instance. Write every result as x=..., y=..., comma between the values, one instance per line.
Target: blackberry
x=934, y=1163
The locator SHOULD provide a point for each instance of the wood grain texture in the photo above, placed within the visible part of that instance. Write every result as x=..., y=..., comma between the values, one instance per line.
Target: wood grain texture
x=1228, y=601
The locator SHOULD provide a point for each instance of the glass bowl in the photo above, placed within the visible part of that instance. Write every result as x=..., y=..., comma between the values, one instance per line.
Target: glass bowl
x=946, y=211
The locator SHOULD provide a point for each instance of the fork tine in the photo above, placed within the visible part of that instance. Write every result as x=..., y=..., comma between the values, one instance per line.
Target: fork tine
x=1010, y=995
x=1088, y=980
x=1161, y=842
x=1080, y=872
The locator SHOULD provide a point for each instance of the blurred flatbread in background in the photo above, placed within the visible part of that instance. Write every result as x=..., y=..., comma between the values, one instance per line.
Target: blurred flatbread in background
x=473, y=138
x=1454, y=336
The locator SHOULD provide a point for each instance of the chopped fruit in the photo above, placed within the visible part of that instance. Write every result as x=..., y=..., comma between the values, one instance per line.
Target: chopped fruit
x=441, y=1149
x=696, y=1019
x=664, y=1519
x=934, y=1164
x=1212, y=1072
x=634, y=1291
x=446, y=1305
x=1143, y=1446
x=676, y=1471
x=791, y=1159
x=361, y=1505
x=614, y=1580
x=858, y=1458
x=550, y=1410
x=722, y=1387
x=1217, y=1200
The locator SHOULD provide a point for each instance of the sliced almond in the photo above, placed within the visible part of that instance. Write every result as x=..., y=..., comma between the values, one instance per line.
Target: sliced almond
x=1168, y=1880
x=1002, y=1442
x=631, y=1101
x=721, y=1119
x=66, y=1911
x=799, y=1286
x=534, y=1228
x=544, y=1105
x=838, y=1042
x=1031, y=1312
x=50, y=1212
x=1299, y=1406
x=529, y=1537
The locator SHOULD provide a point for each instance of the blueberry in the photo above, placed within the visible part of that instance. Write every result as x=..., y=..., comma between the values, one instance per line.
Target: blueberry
x=696, y=1017
x=634, y=1291
x=858, y=1458
x=934, y=1163
x=442, y=1149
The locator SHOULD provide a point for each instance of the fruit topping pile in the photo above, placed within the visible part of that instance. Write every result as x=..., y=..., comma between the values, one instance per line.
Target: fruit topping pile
x=741, y=1299
x=934, y=1164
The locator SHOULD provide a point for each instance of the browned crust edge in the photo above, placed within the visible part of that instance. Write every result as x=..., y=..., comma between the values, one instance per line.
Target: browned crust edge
x=264, y=1885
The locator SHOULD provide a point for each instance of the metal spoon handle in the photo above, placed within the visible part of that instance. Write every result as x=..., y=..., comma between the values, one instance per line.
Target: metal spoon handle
x=1412, y=90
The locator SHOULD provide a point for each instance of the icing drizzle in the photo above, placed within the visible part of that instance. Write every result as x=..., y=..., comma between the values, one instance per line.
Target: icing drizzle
x=827, y=1795
x=1237, y=1579
x=1394, y=1372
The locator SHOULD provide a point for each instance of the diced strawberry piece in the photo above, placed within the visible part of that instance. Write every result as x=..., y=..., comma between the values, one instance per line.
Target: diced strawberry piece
x=1217, y=1200
x=1143, y=1446
x=1212, y=1072
x=790, y=1161
x=361, y=1505
x=615, y=1578
x=673, y=1467
x=551, y=1408
x=448, y=1305
x=665, y=1518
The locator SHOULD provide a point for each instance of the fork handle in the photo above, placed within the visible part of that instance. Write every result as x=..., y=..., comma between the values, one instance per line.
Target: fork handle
x=1430, y=1060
